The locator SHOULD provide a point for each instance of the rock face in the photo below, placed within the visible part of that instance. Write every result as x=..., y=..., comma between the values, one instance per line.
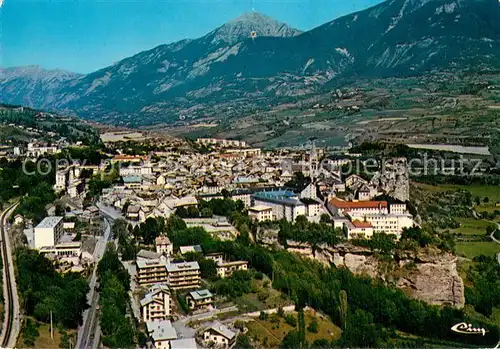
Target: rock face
x=429, y=275
x=393, y=179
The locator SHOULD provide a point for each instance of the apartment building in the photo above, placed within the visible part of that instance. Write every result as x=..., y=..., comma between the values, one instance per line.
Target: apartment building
x=388, y=223
x=156, y=304
x=226, y=269
x=183, y=275
x=284, y=203
x=261, y=213
x=48, y=232
x=151, y=272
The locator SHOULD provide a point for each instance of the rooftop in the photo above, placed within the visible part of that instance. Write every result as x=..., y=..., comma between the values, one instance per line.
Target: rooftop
x=359, y=224
x=173, y=267
x=357, y=204
x=284, y=197
x=260, y=208
x=201, y=294
x=161, y=330
x=223, y=330
x=185, y=343
x=49, y=222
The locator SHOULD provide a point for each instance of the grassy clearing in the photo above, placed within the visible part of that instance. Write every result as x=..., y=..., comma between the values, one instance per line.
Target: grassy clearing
x=471, y=226
x=474, y=249
x=256, y=302
x=270, y=333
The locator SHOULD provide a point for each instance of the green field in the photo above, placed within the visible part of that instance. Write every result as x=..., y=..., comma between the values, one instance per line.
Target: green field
x=471, y=226
x=474, y=249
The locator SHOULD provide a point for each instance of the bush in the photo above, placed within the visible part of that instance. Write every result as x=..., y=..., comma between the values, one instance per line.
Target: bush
x=263, y=316
x=263, y=295
x=313, y=326
x=291, y=320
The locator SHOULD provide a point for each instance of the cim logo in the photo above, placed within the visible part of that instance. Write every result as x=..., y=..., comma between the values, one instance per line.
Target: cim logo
x=465, y=328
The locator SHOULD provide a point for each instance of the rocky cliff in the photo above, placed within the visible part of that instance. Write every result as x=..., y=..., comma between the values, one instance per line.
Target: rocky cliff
x=429, y=275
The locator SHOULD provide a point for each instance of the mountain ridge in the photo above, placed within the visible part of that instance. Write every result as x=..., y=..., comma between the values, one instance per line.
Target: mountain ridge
x=229, y=68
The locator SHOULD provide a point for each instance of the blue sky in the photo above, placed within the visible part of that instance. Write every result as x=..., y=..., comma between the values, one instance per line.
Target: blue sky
x=84, y=35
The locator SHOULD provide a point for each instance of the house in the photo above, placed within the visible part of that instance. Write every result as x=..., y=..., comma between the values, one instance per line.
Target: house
x=199, y=299
x=191, y=249
x=184, y=343
x=217, y=257
x=161, y=333
x=156, y=304
x=219, y=334
x=18, y=219
x=226, y=269
x=163, y=245
x=133, y=212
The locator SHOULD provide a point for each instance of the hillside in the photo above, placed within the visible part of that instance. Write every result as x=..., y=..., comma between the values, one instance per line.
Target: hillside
x=228, y=72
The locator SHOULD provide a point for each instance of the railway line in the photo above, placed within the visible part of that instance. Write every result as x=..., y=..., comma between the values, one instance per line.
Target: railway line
x=9, y=286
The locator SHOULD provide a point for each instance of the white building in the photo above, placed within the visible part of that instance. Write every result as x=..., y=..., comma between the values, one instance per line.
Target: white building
x=161, y=333
x=261, y=213
x=359, y=229
x=226, y=269
x=220, y=335
x=284, y=203
x=156, y=304
x=48, y=232
x=163, y=245
x=387, y=223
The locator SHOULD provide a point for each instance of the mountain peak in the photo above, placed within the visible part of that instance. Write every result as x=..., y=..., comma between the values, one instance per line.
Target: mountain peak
x=242, y=27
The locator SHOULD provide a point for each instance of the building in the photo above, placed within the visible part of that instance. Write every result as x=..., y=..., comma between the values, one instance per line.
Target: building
x=359, y=229
x=220, y=335
x=261, y=213
x=313, y=207
x=225, y=143
x=163, y=245
x=226, y=269
x=387, y=223
x=184, y=343
x=152, y=271
x=191, y=249
x=398, y=208
x=341, y=207
x=156, y=304
x=199, y=299
x=48, y=232
x=72, y=249
x=284, y=203
x=161, y=333
x=183, y=275
x=217, y=257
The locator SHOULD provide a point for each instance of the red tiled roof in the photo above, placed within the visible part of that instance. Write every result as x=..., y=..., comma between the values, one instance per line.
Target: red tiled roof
x=359, y=224
x=357, y=204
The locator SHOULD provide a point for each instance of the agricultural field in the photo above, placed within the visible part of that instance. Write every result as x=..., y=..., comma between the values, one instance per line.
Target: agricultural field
x=477, y=248
x=269, y=333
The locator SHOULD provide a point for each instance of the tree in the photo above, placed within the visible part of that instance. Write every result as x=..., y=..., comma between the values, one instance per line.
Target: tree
x=243, y=342
x=343, y=308
x=292, y=341
x=208, y=269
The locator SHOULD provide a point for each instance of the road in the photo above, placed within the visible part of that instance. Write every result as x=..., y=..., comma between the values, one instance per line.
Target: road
x=11, y=325
x=87, y=333
x=492, y=236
